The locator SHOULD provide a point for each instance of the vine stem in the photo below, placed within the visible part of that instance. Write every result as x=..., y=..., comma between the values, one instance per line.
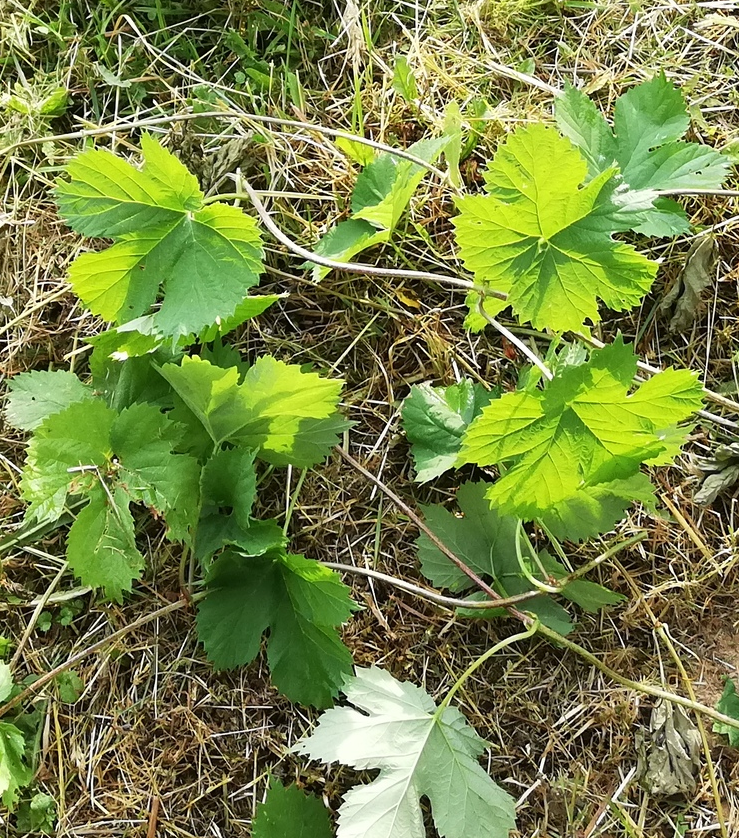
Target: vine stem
x=357, y=267
x=429, y=594
x=476, y=664
x=435, y=540
x=528, y=620
x=49, y=676
x=516, y=341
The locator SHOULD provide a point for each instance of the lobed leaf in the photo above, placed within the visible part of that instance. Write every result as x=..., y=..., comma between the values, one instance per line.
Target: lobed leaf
x=537, y=237
x=299, y=601
x=421, y=751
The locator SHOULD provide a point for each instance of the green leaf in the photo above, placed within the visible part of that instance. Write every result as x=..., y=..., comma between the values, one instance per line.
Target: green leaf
x=649, y=121
x=205, y=256
x=394, y=193
x=6, y=681
x=65, y=456
x=144, y=440
x=287, y=415
x=287, y=811
x=404, y=82
x=107, y=196
x=14, y=773
x=434, y=420
x=37, y=815
x=588, y=595
x=342, y=242
x=728, y=704
x=453, y=151
x=101, y=546
x=583, y=429
x=299, y=601
x=33, y=396
x=421, y=751
x=356, y=151
x=537, y=237
x=70, y=686
x=486, y=542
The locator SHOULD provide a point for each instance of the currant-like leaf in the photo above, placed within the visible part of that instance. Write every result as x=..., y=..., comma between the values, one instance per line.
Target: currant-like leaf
x=536, y=236
x=33, y=396
x=299, y=601
x=289, y=416
x=287, y=811
x=582, y=430
x=649, y=121
x=421, y=751
x=206, y=257
x=434, y=419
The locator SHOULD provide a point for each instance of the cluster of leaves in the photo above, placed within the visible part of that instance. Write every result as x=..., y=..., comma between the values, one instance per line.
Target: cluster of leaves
x=569, y=450
x=543, y=233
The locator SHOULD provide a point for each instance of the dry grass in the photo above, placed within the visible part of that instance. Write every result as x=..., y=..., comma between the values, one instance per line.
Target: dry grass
x=158, y=743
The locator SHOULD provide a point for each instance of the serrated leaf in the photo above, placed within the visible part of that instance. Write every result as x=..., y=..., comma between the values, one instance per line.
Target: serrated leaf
x=420, y=751
x=33, y=396
x=64, y=456
x=404, y=82
x=649, y=121
x=486, y=542
x=144, y=440
x=101, y=546
x=14, y=773
x=287, y=415
x=434, y=420
x=205, y=256
x=583, y=429
x=537, y=238
x=728, y=704
x=299, y=601
x=287, y=811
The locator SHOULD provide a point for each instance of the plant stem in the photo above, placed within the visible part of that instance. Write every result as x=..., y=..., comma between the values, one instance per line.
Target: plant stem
x=517, y=342
x=476, y=664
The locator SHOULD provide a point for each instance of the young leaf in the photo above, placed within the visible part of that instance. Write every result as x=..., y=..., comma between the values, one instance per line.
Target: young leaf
x=14, y=773
x=299, y=601
x=728, y=704
x=421, y=751
x=404, y=82
x=112, y=459
x=342, y=242
x=288, y=811
x=33, y=396
x=434, y=420
x=486, y=542
x=536, y=236
x=6, y=681
x=101, y=546
x=649, y=121
x=287, y=415
x=584, y=429
x=205, y=256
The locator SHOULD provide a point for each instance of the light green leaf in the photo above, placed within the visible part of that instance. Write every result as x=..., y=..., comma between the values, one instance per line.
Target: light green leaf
x=33, y=396
x=420, y=751
x=453, y=151
x=6, y=681
x=404, y=82
x=649, y=121
x=342, y=242
x=728, y=704
x=101, y=546
x=434, y=420
x=583, y=429
x=299, y=600
x=356, y=151
x=204, y=256
x=288, y=811
x=14, y=773
x=386, y=212
x=536, y=236
x=288, y=415
x=66, y=455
